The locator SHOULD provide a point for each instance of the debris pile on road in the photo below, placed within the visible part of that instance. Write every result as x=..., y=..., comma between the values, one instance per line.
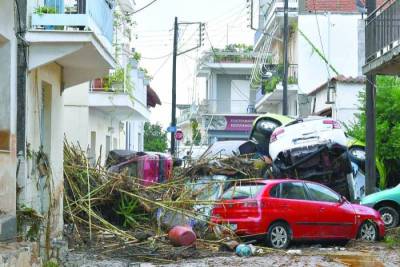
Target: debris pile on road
x=114, y=213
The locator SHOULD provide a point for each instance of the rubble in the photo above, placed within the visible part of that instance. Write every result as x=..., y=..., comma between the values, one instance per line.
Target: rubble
x=114, y=214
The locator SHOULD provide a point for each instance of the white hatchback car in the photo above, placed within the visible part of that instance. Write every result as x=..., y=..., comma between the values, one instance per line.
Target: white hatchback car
x=313, y=148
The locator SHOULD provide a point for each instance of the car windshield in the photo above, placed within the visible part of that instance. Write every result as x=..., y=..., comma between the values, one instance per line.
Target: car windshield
x=207, y=189
x=243, y=191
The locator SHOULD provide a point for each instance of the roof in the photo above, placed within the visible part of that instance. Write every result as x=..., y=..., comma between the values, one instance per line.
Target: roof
x=341, y=79
x=152, y=97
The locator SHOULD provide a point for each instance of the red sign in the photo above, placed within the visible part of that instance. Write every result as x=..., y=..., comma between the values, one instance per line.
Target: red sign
x=179, y=135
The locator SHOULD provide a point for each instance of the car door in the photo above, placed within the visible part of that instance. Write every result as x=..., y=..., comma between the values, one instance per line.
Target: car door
x=294, y=206
x=336, y=216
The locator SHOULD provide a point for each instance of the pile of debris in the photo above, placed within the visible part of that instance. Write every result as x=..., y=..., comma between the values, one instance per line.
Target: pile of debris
x=115, y=214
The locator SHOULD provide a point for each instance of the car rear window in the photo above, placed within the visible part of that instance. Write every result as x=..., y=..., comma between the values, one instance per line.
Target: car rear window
x=243, y=191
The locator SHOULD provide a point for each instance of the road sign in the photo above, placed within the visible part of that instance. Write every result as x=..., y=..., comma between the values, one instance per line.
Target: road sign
x=171, y=129
x=179, y=135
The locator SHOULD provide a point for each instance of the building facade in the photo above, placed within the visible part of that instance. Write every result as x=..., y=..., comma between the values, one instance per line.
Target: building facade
x=227, y=112
x=326, y=39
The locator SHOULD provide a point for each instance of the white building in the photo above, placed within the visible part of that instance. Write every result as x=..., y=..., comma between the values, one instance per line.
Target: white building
x=109, y=113
x=338, y=99
x=61, y=46
x=8, y=119
x=321, y=32
x=228, y=111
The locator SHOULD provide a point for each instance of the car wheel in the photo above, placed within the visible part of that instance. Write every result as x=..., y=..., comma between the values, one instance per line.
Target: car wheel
x=279, y=235
x=389, y=216
x=368, y=231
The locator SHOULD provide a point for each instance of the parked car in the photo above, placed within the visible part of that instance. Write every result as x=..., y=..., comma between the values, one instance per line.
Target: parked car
x=387, y=202
x=286, y=210
x=313, y=148
x=148, y=167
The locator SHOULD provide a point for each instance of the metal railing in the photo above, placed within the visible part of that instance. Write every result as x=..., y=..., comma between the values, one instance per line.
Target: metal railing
x=228, y=57
x=214, y=106
x=81, y=15
x=382, y=29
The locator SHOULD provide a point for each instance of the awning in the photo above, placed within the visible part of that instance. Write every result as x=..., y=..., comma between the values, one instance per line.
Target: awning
x=152, y=97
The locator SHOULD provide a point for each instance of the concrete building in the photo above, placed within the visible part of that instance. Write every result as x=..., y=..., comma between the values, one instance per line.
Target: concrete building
x=228, y=110
x=338, y=99
x=8, y=116
x=60, y=46
x=109, y=113
x=320, y=33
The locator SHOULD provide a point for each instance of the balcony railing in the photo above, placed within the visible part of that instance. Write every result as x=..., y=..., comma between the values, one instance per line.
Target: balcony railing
x=277, y=76
x=228, y=57
x=213, y=106
x=75, y=15
x=382, y=30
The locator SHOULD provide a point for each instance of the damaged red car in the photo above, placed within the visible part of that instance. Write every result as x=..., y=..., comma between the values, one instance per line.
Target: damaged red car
x=284, y=210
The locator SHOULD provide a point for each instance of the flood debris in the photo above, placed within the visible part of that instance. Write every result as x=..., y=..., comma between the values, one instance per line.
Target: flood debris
x=117, y=215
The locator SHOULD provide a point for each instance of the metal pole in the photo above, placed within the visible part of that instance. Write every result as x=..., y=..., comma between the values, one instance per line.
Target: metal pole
x=285, y=58
x=173, y=113
x=371, y=119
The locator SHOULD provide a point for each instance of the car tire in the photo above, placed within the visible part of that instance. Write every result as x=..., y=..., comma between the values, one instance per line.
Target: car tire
x=368, y=231
x=390, y=216
x=279, y=235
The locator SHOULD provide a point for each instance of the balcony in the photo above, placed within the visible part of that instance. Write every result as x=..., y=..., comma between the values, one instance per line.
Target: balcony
x=227, y=61
x=217, y=106
x=271, y=15
x=383, y=40
x=119, y=101
x=74, y=35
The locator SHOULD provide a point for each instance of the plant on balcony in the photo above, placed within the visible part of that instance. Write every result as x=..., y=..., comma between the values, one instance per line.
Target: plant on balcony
x=270, y=84
x=45, y=10
x=137, y=56
x=222, y=55
x=146, y=73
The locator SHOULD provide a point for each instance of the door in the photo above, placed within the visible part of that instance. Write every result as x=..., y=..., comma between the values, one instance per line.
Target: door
x=294, y=206
x=240, y=96
x=336, y=217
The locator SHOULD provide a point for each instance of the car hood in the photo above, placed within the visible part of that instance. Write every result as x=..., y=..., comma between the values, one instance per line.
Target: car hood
x=365, y=211
x=378, y=196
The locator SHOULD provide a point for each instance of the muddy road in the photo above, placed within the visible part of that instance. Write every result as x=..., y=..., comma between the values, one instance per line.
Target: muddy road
x=354, y=254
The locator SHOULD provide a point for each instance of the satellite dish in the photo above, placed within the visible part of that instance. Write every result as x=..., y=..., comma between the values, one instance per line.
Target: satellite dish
x=361, y=7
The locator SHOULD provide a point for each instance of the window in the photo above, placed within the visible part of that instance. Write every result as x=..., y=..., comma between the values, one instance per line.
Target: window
x=321, y=193
x=243, y=191
x=293, y=191
x=275, y=191
x=5, y=109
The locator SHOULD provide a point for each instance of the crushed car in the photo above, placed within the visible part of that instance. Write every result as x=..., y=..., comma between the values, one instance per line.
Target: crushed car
x=148, y=167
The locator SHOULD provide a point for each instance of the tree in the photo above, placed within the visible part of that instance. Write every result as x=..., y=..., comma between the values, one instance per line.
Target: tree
x=155, y=139
x=196, y=135
x=387, y=124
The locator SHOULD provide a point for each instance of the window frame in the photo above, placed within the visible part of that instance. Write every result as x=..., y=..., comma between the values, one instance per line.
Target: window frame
x=322, y=186
x=280, y=187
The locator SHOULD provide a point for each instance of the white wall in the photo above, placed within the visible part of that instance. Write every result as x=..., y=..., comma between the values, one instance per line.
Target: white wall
x=8, y=62
x=51, y=138
x=347, y=102
x=76, y=114
x=343, y=47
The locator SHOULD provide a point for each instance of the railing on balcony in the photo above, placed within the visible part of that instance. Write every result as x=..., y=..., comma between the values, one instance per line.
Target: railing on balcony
x=271, y=83
x=382, y=29
x=214, y=106
x=228, y=57
x=81, y=15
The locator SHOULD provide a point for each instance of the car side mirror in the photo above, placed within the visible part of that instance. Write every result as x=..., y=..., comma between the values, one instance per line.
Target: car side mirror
x=248, y=147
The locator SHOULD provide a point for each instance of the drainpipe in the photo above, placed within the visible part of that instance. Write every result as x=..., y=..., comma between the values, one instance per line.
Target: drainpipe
x=22, y=62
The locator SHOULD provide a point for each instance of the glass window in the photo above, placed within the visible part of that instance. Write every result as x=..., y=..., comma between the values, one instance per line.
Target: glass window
x=322, y=193
x=274, y=191
x=243, y=191
x=293, y=191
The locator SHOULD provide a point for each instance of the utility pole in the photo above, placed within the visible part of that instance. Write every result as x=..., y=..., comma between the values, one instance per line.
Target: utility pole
x=175, y=54
x=285, y=58
x=173, y=113
x=371, y=116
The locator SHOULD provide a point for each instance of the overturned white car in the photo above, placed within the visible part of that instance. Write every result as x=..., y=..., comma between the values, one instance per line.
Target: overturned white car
x=313, y=148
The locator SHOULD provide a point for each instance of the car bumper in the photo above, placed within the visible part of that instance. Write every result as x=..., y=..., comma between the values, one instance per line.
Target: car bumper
x=381, y=229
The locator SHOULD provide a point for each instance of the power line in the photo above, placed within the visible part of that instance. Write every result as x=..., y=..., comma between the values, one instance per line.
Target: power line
x=140, y=9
